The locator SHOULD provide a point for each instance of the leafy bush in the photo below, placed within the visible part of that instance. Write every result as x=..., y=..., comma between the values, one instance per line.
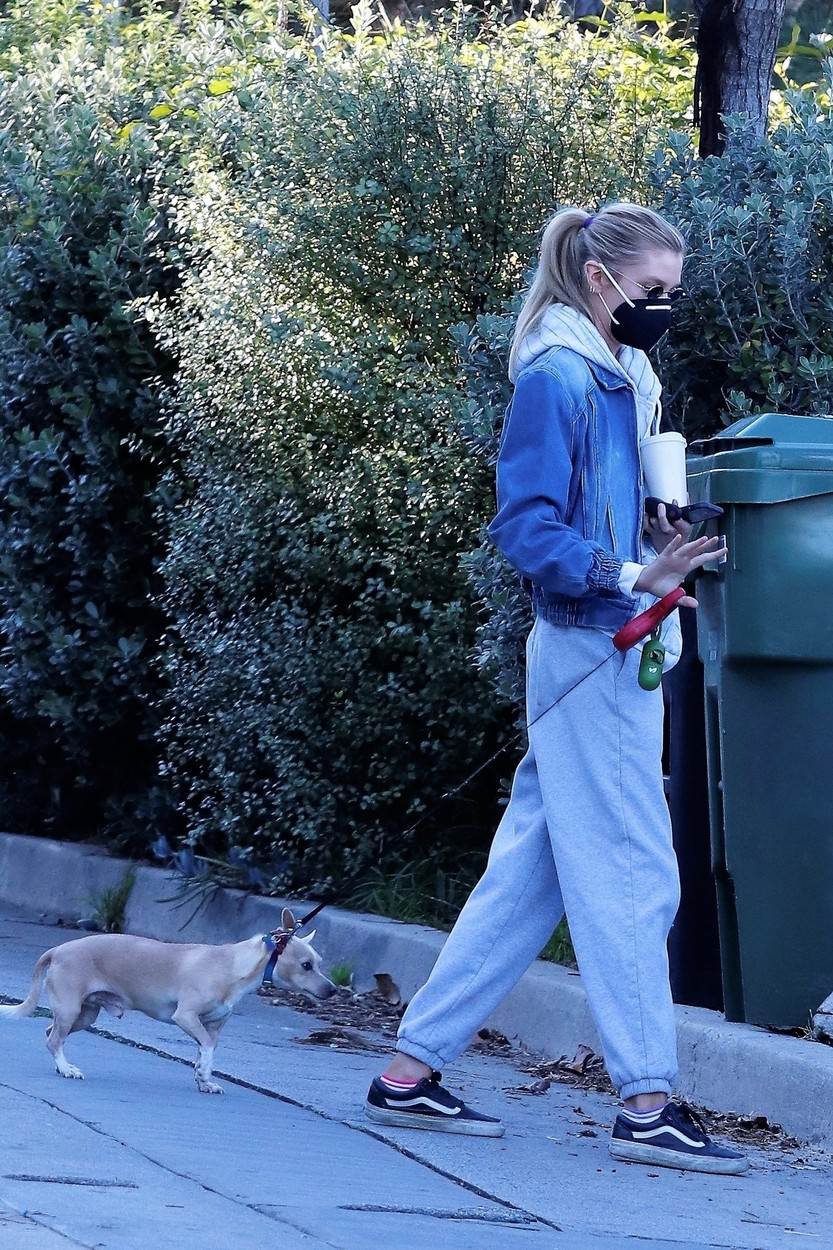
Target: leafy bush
x=756, y=333
x=318, y=668
x=319, y=661
x=483, y=348
x=84, y=145
x=78, y=241
x=258, y=568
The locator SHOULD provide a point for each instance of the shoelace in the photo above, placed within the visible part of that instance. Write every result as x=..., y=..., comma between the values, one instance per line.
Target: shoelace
x=434, y=1079
x=687, y=1114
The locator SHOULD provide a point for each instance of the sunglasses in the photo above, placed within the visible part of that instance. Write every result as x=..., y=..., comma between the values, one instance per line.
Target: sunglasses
x=691, y=512
x=654, y=292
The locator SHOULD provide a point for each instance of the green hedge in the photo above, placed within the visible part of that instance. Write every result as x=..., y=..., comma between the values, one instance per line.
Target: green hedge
x=87, y=173
x=255, y=296
x=756, y=333
x=322, y=691
x=79, y=240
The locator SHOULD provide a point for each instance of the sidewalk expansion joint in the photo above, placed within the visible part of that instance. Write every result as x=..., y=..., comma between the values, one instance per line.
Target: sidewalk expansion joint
x=28, y=1217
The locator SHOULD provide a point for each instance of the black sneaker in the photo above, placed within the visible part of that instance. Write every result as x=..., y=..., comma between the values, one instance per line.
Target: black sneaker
x=427, y=1105
x=677, y=1139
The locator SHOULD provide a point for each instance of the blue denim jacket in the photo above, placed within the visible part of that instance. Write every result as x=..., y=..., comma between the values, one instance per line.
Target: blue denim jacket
x=569, y=489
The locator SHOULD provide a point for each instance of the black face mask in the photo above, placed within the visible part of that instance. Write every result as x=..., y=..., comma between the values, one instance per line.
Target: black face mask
x=638, y=323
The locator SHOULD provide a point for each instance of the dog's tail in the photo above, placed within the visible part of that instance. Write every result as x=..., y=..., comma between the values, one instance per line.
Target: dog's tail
x=30, y=1002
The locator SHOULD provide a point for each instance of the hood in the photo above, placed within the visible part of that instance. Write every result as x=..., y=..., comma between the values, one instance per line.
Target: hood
x=561, y=325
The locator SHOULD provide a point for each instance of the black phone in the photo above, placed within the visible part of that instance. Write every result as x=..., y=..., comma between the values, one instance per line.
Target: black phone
x=690, y=512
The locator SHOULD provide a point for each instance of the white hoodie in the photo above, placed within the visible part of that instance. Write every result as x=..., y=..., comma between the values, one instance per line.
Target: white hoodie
x=564, y=326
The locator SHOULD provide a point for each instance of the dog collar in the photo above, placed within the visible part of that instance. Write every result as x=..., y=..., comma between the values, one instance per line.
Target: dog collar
x=277, y=945
x=277, y=942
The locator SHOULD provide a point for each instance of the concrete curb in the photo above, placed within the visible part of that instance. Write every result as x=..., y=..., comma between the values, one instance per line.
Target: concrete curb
x=727, y=1067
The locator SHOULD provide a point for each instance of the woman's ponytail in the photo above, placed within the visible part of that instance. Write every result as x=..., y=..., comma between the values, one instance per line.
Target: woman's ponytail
x=558, y=275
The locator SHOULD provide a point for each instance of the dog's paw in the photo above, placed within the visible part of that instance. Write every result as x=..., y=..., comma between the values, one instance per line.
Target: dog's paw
x=208, y=1087
x=70, y=1071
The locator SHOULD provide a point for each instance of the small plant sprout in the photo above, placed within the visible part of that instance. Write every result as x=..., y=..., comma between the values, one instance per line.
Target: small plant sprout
x=109, y=904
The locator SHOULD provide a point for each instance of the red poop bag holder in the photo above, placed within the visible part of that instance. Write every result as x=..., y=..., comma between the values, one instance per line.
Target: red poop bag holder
x=649, y=622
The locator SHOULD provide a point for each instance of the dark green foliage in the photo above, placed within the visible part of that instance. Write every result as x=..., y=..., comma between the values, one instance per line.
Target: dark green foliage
x=240, y=527
x=506, y=612
x=78, y=241
x=756, y=334
x=321, y=688
x=418, y=891
x=322, y=692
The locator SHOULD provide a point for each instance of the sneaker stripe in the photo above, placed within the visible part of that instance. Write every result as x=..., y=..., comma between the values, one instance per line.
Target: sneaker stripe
x=644, y=1134
x=422, y=1101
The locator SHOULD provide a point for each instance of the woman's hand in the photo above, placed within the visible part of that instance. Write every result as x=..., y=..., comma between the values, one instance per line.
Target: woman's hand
x=660, y=530
x=673, y=565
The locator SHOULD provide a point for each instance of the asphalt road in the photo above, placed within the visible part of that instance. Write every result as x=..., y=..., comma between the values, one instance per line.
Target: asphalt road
x=133, y=1158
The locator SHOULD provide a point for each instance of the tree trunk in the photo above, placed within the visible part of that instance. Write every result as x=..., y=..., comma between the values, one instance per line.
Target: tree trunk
x=736, y=43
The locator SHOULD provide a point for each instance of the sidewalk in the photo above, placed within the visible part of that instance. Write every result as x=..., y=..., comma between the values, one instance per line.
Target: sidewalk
x=286, y=1156
x=727, y=1067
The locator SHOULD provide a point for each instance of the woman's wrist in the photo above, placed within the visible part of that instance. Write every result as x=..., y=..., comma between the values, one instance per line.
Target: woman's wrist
x=627, y=578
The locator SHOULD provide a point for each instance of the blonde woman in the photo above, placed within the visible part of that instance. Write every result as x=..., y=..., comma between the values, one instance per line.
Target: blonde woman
x=587, y=829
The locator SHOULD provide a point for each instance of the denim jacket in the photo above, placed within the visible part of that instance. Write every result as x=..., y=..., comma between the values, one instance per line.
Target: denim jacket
x=570, y=497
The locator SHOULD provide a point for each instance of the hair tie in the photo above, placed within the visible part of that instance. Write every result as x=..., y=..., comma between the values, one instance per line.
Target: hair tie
x=587, y=221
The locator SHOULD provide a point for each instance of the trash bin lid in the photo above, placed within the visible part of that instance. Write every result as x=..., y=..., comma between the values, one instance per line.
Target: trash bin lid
x=769, y=458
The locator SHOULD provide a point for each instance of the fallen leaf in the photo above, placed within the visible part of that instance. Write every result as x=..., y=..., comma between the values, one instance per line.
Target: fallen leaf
x=537, y=1087
x=387, y=988
x=580, y=1059
x=340, y=1039
x=493, y=1037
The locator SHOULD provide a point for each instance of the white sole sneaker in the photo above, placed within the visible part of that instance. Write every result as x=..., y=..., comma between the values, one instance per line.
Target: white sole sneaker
x=412, y=1119
x=631, y=1152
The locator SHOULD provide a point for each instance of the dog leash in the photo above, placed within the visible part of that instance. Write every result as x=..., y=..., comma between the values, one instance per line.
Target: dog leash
x=641, y=626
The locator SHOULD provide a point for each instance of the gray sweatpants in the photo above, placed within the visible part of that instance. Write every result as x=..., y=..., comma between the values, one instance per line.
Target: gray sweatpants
x=586, y=831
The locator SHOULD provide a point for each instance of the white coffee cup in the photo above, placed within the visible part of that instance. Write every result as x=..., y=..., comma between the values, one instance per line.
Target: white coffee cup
x=663, y=466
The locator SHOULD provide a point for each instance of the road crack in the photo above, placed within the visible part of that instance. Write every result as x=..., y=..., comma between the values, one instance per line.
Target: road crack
x=28, y=1218
x=335, y=1119
x=164, y=1167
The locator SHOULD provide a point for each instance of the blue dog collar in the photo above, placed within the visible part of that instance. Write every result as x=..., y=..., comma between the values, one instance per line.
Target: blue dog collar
x=269, y=942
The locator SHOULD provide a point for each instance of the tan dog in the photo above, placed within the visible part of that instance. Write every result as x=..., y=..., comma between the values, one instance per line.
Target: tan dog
x=194, y=986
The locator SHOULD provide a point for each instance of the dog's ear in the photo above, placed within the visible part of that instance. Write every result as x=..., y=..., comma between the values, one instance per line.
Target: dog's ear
x=287, y=919
x=309, y=936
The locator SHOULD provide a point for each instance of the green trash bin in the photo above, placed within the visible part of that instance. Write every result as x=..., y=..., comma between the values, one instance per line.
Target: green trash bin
x=765, y=637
